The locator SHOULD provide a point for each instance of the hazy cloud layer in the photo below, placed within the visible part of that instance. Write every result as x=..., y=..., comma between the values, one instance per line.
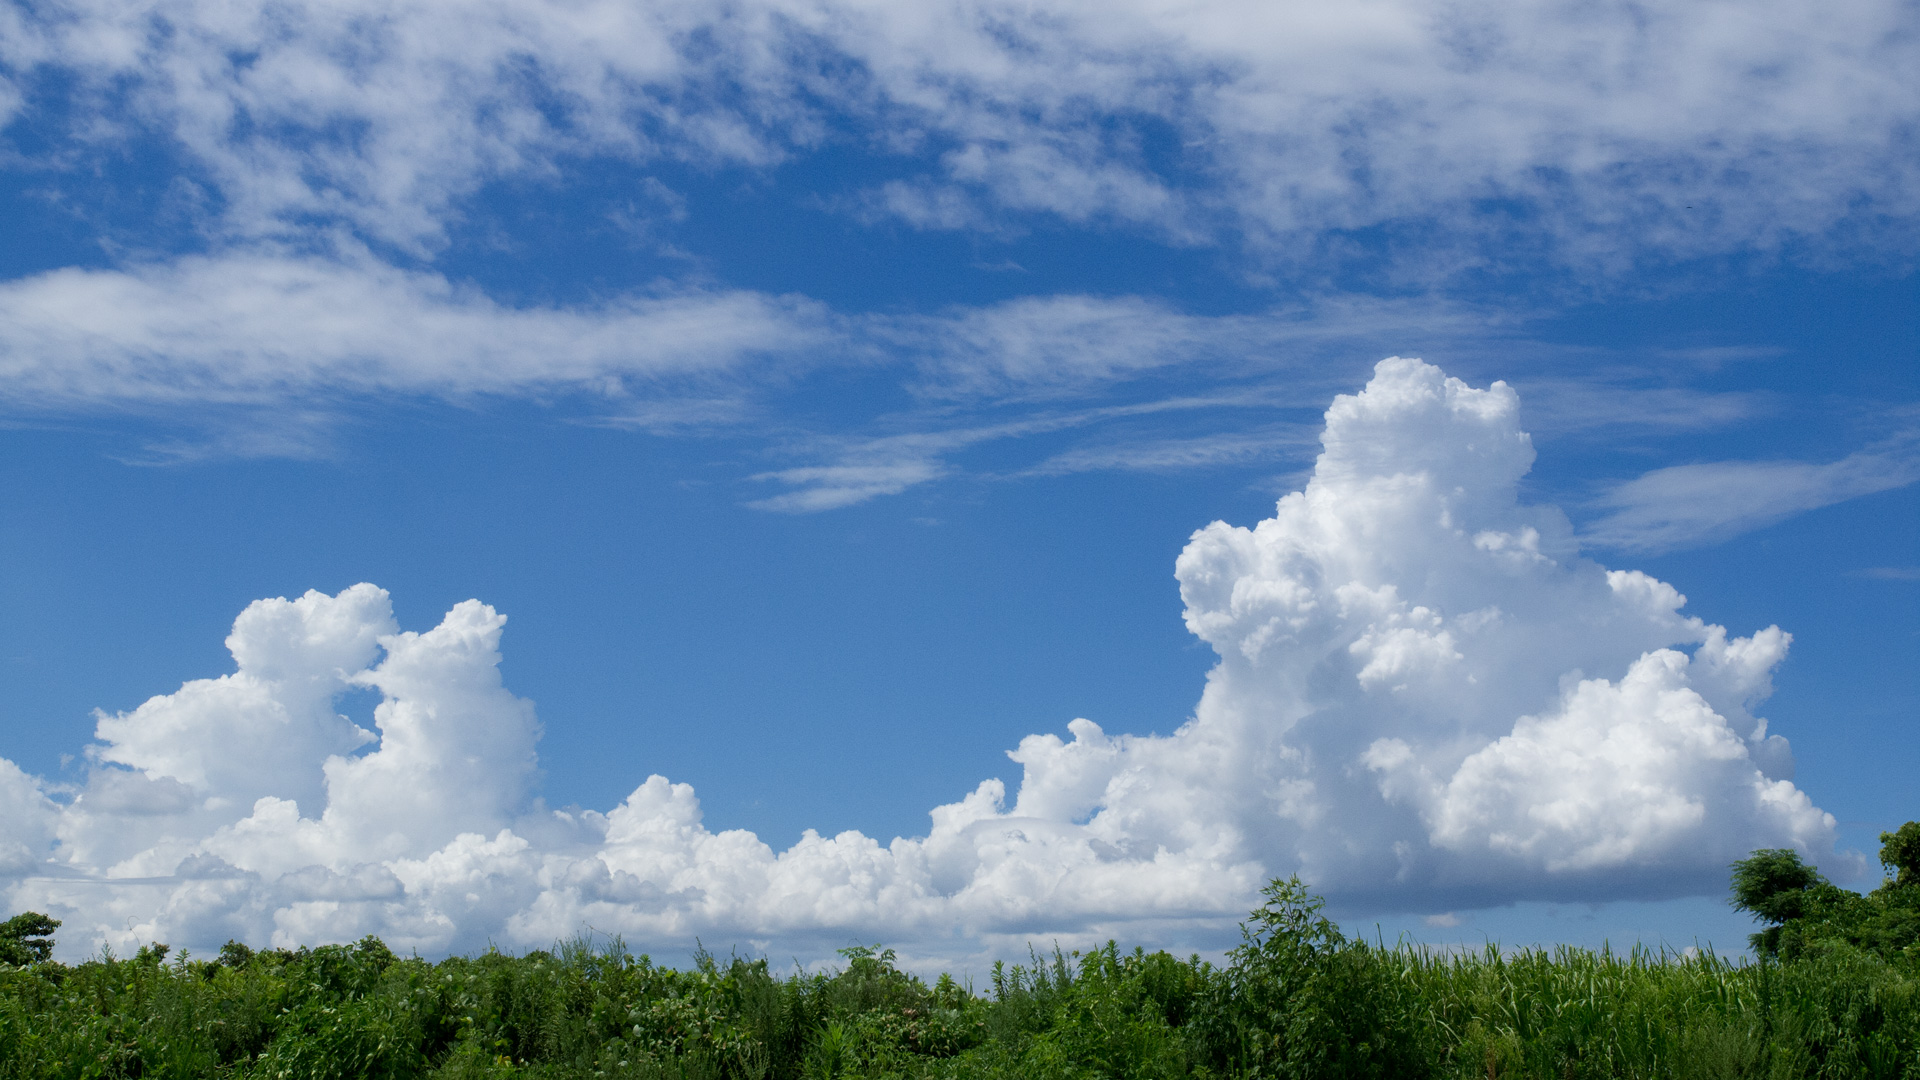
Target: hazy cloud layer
x=1425, y=700
x=1585, y=133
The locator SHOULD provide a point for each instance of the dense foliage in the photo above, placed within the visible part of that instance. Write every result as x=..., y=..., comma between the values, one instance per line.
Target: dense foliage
x=27, y=938
x=1807, y=914
x=1295, y=999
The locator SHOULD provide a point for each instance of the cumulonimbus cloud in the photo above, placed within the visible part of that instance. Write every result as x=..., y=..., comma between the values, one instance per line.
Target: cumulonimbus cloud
x=1426, y=699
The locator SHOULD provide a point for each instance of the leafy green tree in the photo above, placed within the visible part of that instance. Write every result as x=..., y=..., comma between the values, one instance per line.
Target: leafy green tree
x=235, y=955
x=1900, y=854
x=1809, y=914
x=1894, y=926
x=27, y=938
x=1775, y=885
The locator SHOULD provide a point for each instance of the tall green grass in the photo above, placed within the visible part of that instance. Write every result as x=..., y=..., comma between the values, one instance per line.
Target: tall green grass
x=1296, y=999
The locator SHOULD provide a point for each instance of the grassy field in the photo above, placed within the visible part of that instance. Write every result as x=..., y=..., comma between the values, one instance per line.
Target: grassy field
x=1296, y=999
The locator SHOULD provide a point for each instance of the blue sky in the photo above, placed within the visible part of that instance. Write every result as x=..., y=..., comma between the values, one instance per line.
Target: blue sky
x=825, y=392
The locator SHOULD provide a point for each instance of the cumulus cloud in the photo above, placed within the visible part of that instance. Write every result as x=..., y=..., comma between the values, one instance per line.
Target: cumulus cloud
x=1426, y=700
x=1594, y=132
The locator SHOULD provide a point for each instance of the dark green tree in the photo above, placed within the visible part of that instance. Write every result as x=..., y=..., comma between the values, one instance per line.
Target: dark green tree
x=1802, y=907
x=1807, y=913
x=1775, y=885
x=1900, y=854
x=1894, y=926
x=27, y=938
x=235, y=955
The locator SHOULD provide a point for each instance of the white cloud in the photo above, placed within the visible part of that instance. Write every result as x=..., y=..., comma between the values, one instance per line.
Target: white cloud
x=258, y=328
x=257, y=352
x=1612, y=401
x=262, y=328
x=1042, y=345
x=863, y=469
x=831, y=487
x=1425, y=699
x=1591, y=132
x=1685, y=505
x=1170, y=454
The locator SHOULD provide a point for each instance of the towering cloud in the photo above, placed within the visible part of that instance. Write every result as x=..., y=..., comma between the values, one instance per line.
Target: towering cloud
x=1425, y=699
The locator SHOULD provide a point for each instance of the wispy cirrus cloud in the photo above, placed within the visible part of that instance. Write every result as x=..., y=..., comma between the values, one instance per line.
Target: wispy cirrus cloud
x=1611, y=400
x=266, y=327
x=857, y=469
x=1407, y=146
x=259, y=352
x=1687, y=505
x=269, y=329
x=1169, y=455
x=1067, y=345
x=1578, y=134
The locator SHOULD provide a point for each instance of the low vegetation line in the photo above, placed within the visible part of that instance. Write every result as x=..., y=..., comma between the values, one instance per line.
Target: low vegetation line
x=1834, y=991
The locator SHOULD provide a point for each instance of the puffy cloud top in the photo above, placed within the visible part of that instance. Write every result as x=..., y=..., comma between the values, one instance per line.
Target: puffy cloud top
x=1425, y=699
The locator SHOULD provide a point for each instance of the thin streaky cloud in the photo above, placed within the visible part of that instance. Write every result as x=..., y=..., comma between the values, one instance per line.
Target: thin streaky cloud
x=259, y=353
x=1690, y=505
x=833, y=487
x=854, y=470
x=261, y=327
x=1056, y=346
x=266, y=329
x=1170, y=455
x=1610, y=401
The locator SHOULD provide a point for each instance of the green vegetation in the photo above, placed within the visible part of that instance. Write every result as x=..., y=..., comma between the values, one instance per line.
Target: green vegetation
x=1835, y=993
x=1809, y=915
x=27, y=938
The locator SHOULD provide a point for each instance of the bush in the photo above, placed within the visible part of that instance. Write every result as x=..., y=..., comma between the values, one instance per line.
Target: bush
x=1300, y=1000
